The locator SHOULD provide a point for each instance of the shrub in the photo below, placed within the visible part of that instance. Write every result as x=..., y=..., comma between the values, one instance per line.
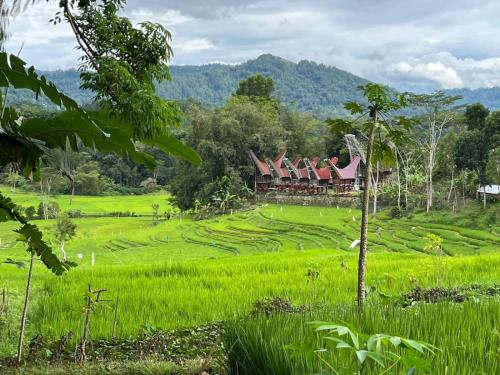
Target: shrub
x=396, y=212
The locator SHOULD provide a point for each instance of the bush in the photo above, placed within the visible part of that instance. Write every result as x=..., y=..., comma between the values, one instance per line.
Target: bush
x=396, y=212
x=30, y=212
x=52, y=210
x=74, y=213
x=271, y=306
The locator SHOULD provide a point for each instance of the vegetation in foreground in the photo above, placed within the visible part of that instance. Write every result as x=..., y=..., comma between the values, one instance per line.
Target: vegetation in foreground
x=214, y=270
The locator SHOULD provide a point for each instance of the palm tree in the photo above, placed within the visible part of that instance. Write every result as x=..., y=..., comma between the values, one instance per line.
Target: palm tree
x=382, y=134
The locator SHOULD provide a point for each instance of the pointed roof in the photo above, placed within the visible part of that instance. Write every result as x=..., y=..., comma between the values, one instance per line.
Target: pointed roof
x=261, y=166
x=349, y=172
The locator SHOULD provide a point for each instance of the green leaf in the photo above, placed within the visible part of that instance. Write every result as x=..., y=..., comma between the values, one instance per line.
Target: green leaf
x=354, y=108
x=32, y=236
x=340, y=125
x=16, y=75
x=339, y=342
x=413, y=344
x=361, y=354
x=171, y=145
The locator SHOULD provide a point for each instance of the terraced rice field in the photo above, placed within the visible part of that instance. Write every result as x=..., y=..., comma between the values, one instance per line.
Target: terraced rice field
x=182, y=273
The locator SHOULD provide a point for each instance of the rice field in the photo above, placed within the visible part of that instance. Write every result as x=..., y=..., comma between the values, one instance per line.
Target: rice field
x=99, y=205
x=182, y=273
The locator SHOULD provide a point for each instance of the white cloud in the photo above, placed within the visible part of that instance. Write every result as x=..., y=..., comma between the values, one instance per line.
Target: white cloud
x=411, y=45
x=192, y=45
x=433, y=71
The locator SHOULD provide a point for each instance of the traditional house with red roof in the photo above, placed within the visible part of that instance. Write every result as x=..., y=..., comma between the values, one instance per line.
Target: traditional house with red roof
x=303, y=174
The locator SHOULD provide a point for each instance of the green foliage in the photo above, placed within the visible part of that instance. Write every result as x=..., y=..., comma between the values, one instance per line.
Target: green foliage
x=31, y=236
x=255, y=346
x=65, y=228
x=475, y=146
x=434, y=244
x=121, y=64
x=222, y=137
x=30, y=212
x=378, y=349
x=256, y=86
x=475, y=116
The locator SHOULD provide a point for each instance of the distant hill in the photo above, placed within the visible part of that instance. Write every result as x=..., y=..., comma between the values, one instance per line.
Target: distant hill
x=312, y=87
x=490, y=97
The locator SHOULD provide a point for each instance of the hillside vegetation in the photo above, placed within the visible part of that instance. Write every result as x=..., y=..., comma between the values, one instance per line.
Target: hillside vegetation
x=311, y=87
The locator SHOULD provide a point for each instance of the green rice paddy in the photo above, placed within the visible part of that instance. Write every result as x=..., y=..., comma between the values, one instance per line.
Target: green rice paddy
x=182, y=273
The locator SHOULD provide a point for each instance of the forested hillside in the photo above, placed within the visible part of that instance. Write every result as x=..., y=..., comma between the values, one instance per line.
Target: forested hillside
x=315, y=88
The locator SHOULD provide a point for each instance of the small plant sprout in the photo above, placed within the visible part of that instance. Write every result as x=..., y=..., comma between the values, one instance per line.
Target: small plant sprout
x=370, y=351
x=434, y=245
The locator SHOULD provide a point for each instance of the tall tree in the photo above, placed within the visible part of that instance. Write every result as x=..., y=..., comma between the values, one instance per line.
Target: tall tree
x=377, y=125
x=436, y=113
x=475, y=146
x=256, y=85
x=121, y=64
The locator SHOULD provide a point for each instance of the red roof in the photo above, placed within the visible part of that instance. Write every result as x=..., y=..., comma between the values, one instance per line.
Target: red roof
x=303, y=173
x=334, y=160
x=324, y=173
x=261, y=166
x=349, y=172
x=279, y=159
x=285, y=172
x=314, y=161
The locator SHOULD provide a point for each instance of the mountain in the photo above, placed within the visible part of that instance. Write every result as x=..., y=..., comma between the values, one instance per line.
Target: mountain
x=310, y=86
x=490, y=97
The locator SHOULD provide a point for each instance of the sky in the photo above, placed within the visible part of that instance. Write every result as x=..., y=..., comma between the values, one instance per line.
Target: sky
x=419, y=45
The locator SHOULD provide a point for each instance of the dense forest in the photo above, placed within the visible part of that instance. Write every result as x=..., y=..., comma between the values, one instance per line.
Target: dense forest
x=311, y=87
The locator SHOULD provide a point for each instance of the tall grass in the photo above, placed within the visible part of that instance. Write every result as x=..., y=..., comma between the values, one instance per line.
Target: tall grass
x=181, y=273
x=467, y=335
x=190, y=293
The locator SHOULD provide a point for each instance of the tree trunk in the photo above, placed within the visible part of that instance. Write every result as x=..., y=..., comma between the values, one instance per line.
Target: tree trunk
x=72, y=191
x=429, y=189
x=375, y=190
x=484, y=195
x=399, y=182
x=451, y=186
x=25, y=310
x=63, y=253
x=364, y=221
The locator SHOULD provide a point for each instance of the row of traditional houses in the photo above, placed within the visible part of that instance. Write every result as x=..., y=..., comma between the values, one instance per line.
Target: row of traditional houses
x=312, y=175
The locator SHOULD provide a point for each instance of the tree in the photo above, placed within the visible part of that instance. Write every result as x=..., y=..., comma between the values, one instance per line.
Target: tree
x=222, y=137
x=121, y=64
x=437, y=113
x=14, y=179
x=474, y=146
x=88, y=179
x=30, y=212
x=65, y=229
x=256, y=86
x=66, y=161
x=376, y=125
x=156, y=213
x=475, y=116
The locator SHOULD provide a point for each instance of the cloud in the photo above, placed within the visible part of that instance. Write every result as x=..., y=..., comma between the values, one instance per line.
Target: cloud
x=422, y=46
x=433, y=71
